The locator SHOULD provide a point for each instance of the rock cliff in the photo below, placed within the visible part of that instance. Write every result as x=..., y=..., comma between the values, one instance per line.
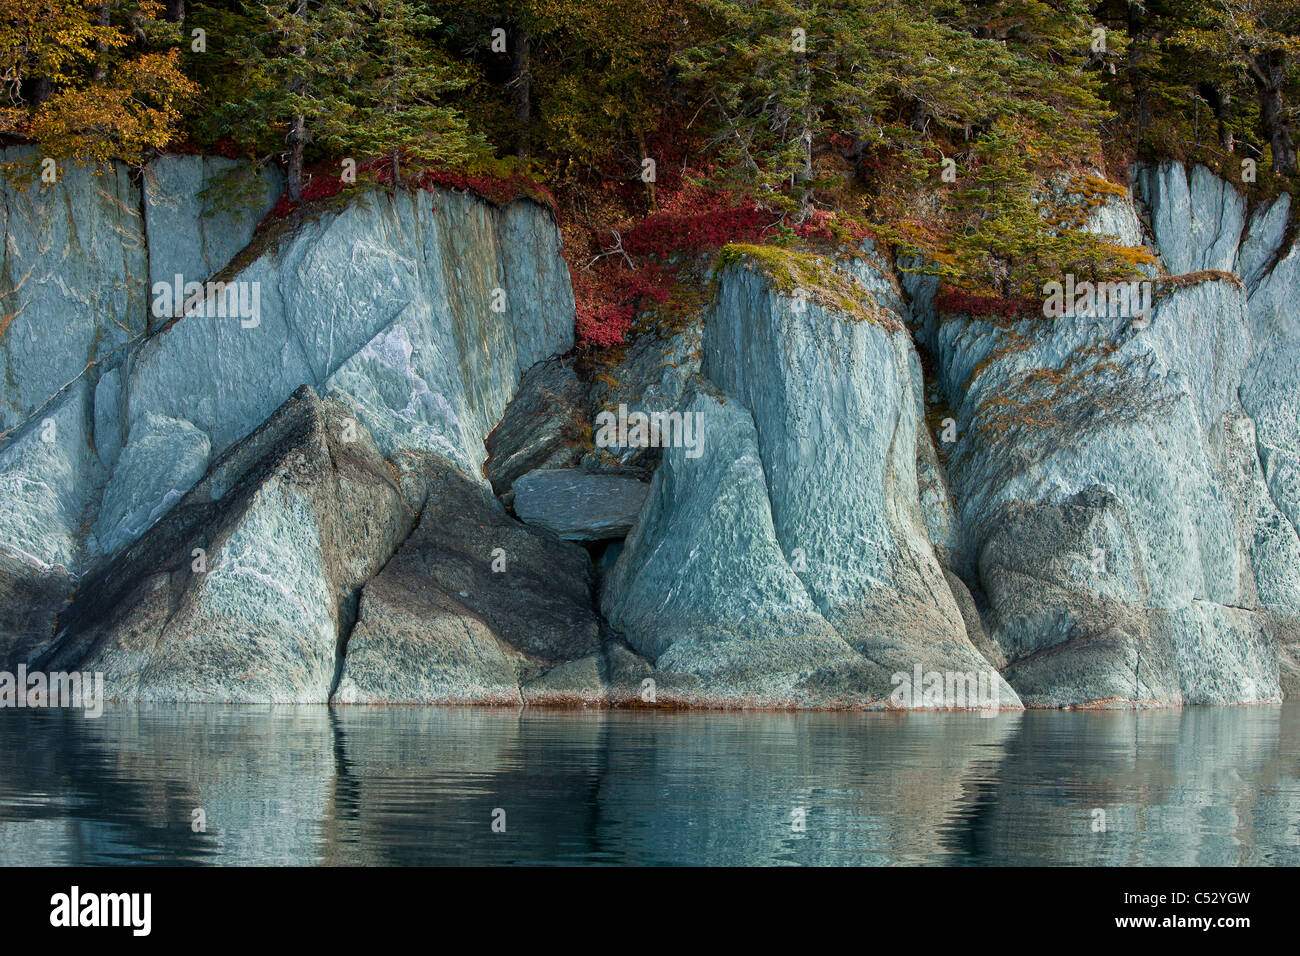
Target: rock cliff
x=791, y=564
x=1109, y=475
x=416, y=314
x=320, y=498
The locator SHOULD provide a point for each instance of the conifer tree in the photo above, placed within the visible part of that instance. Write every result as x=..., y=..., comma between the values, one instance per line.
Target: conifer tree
x=296, y=69
x=355, y=77
x=1260, y=40
x=398, y=92
x=907, y=77
x=756, y=71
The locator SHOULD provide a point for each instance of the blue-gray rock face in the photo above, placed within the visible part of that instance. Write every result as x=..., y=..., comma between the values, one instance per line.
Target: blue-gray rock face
x=417, y=313
x=242, y=591
x=49, y=478
x=1197, y=220
x=162, y=460
x=1107, y=476
x=833, y=396
x=200, y=211
x=789, y=564
x=702, y=586
x=1270, y=387
x=297, y=504
x=75, y=289
x=1270, y=395
x=81, y=256
x=73, y=275
x=389, y=304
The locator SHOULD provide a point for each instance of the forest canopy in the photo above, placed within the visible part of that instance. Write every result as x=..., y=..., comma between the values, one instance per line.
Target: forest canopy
x=977, y=134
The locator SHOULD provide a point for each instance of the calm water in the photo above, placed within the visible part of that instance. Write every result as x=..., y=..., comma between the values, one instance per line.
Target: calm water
x=402, y=785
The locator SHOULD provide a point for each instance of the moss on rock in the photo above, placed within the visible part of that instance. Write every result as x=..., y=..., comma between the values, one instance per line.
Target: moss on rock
x=792, y=273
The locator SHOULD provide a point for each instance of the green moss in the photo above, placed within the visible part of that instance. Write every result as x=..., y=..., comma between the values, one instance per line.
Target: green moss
x=790, y=273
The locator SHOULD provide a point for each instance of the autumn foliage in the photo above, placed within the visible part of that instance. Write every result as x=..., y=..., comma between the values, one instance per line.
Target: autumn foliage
x=933, y=128
x=325, y=181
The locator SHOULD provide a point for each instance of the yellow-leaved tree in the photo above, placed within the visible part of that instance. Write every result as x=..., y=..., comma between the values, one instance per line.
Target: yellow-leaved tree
x=90, y=80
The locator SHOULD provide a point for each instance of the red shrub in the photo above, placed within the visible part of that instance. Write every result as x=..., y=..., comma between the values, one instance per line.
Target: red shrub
x=691, y=219
x=823, y=225
x=323, y=182
x=604, y=314
x=958, y=301
x=494, y=190
x=664, y=234
x=608, y=299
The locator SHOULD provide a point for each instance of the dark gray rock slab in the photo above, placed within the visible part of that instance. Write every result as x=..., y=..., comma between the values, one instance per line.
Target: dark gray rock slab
x=471, y=605
x=580, y=505
x=546, y=425
x=652, y=378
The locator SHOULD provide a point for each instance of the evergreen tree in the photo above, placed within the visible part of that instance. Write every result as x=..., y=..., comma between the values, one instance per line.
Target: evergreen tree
x=991, y=94
x=1260, y=39
x=397, y=92
x=756, y=70
x=295, y=75
x=505, y=41
x=583, y=86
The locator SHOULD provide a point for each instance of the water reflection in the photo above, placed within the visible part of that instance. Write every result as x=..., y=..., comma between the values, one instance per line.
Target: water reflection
x=401, y=785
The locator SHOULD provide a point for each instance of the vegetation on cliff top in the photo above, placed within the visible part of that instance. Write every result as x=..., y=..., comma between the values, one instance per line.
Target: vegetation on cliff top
x=807, y=276
x=966, y=132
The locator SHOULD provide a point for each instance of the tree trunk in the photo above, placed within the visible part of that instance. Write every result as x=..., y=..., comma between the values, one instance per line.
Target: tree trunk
x=521, y=85
x=1136, y=76
x=42, y=90
x=175, y=11
x=1267, y=71
x=804, y=178
x=1141, y=101
x=1219, y=101
x=297, y=131
x=1226, y=139
x=100, y=72
x=297, y=145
